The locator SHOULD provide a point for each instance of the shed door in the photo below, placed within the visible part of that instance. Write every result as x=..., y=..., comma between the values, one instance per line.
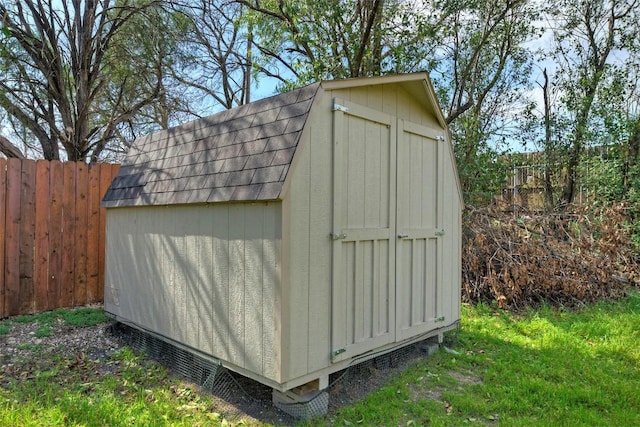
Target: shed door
x=363, y=296
x=419, y=218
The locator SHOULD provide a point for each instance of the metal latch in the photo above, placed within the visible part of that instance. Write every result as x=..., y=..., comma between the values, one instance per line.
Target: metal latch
x=340, y=236
x=402, y=235
x=440, y=137
x=440, y=232
x=337, y=352
x=338, y=107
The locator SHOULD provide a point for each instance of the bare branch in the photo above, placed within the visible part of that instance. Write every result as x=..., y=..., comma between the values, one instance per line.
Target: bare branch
x=8, y=149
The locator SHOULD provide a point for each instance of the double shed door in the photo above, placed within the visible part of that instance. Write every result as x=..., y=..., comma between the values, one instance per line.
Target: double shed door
x=387, y=216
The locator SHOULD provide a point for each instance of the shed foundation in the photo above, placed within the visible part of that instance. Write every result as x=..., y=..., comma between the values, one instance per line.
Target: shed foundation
x=304, y=406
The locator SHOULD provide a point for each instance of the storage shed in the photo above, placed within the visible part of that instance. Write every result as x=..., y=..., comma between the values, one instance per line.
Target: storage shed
x=293, y=236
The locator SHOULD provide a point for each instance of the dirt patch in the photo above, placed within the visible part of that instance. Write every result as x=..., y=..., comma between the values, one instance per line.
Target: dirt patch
x=24, y=351
x=431, y=387
x=464, y=378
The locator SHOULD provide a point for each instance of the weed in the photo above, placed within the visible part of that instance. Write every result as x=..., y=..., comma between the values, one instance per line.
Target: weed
x=35, y=348
x=82, y=317
x=24, y=318
x=4, y=329
x=43, y=331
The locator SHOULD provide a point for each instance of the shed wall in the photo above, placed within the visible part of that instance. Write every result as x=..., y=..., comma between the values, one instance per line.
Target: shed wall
x=206, y=276
x=307, y=223
x=452, y=246
x=394, y=100
x=306, y=212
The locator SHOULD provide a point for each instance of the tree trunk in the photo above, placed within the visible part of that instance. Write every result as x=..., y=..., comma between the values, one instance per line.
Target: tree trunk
x=548, y=167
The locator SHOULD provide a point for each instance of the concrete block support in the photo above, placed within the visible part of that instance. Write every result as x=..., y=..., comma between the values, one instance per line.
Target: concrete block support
x=304, y=402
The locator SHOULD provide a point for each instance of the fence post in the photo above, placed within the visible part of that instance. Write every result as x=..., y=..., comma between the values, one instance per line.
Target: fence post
x=3, y=240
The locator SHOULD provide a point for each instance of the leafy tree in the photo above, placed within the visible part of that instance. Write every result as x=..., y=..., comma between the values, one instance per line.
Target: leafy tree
x=481, y=72
x=141, y=64
x=299, y=42
x=585, y=36
x=60, y=75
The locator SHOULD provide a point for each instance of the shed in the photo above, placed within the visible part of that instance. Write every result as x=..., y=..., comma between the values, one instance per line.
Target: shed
x=293, y=236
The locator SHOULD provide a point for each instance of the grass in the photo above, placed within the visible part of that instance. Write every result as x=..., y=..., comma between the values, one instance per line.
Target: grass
x=138, y=393
x=544, y=367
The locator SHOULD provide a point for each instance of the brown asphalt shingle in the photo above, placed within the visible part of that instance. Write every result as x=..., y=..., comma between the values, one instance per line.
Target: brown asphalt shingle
x=235, y=155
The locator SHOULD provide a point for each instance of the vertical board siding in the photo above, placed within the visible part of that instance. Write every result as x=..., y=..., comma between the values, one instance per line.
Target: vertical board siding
x=208, y=277
x=236, y=284
x=320, y=215
x=51, y=232
x=419, y=256
x=364, y=202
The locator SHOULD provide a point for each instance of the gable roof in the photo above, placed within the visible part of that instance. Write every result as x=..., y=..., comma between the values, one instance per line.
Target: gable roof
x=243, y=154
x=239, y=154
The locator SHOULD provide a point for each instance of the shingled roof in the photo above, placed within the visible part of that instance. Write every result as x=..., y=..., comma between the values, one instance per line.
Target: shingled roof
x=239, y=154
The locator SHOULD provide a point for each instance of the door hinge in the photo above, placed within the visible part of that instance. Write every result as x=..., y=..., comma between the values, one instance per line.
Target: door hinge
x=335, y=236
x=439, y=319
x=440, y=137
x=440, y=232
x=338, y=107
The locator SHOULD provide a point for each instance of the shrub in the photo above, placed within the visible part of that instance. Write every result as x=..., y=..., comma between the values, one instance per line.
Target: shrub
x=564, y=259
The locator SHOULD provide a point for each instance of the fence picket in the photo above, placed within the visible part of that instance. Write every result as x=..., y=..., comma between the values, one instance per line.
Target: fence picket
x=12, y=238
x=41, y=257
x=80, y=221
x=27, y=235
x=55, y=234
x=68, y=235
x=93, y=232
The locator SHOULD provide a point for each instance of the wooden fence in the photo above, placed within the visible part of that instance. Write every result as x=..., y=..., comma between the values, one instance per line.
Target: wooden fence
x=51, y=234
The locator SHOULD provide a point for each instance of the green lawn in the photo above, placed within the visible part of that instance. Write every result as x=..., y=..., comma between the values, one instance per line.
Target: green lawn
x=540, y=368
x=543, y=368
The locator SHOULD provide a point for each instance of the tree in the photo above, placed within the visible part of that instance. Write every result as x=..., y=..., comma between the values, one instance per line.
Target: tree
x=549, y=199
x=214, y=58
x=303, y=42
x=141, y=63
x=58, y=85
x=8, y=149
x=481, y=71
x=585, y=34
